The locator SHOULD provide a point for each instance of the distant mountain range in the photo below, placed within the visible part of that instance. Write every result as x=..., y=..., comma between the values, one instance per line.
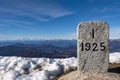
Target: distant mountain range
x=46, y=48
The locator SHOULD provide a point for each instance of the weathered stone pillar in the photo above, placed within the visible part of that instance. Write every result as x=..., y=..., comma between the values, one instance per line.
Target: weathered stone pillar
x=92, y=46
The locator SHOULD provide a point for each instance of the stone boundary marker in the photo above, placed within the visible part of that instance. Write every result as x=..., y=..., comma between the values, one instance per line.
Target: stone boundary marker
x=92, y=46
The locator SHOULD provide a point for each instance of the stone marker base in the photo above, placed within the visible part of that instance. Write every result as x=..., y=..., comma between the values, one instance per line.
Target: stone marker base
x=79, y=75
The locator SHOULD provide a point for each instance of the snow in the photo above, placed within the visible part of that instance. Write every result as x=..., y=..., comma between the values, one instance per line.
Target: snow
x=19, y=68
x=114, y=57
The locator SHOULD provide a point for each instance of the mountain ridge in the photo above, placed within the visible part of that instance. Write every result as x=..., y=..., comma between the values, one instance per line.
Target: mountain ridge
x=47, y=48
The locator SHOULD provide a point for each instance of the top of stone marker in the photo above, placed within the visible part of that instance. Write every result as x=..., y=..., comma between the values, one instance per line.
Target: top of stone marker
x=104, y=22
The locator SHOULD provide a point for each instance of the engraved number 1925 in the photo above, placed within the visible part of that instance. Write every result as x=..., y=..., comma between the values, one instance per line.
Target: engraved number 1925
x=92, y=46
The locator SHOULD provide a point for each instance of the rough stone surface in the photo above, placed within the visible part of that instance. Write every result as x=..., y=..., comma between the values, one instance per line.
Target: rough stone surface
x=77, y=75
x=92, y=46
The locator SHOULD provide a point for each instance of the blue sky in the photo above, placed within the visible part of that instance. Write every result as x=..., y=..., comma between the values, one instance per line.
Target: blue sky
x=54, y=19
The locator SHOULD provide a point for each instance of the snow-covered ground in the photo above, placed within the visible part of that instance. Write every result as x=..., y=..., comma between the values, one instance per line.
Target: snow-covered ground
x=114, y=57
x=19, y=68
